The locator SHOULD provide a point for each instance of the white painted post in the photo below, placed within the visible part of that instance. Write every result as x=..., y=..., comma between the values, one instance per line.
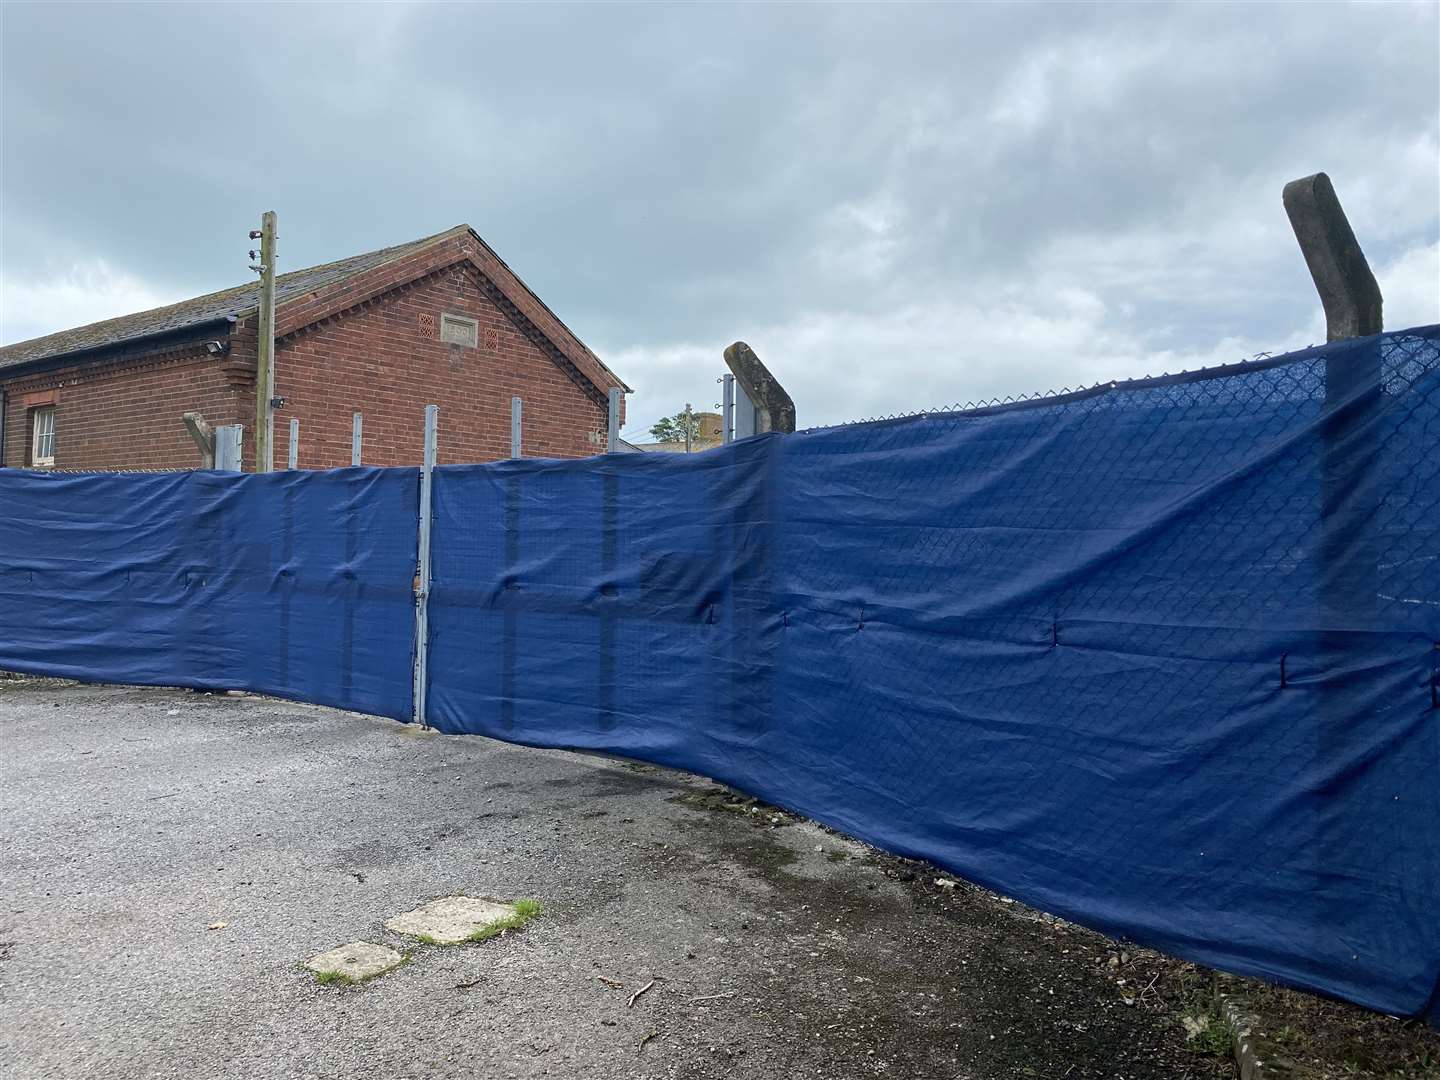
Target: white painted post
x=422, y=573
x=294, y=443
x=355, y=432
x=612, y=436
x=515, y=408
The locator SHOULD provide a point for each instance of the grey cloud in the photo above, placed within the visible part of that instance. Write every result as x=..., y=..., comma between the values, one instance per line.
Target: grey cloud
x=671, y=178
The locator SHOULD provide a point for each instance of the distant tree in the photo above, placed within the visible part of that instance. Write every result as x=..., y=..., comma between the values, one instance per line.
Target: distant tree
x=672, y=428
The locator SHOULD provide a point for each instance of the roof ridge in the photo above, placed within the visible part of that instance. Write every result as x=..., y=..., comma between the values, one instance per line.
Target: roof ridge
x=207, y=307
x=408, y=247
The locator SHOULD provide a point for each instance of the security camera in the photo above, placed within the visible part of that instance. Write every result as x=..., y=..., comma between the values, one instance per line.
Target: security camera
x=215, y=348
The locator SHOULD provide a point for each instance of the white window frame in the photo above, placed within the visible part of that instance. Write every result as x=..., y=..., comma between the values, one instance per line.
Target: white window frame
x=472, y=327
x=42, y=433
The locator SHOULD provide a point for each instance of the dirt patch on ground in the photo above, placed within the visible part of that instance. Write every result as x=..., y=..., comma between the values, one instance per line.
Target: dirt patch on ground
x=1035, y=976
x=1007, y=992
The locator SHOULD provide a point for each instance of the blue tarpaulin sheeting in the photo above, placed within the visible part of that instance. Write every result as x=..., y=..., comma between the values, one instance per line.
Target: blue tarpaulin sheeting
x=1160, y=657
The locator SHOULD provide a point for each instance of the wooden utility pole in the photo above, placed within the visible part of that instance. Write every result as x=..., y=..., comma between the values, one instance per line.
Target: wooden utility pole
x=265, y=368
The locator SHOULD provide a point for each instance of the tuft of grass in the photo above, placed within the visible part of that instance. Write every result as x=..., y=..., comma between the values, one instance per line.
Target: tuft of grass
x=325, y=978
x=525, y=910
x=1218, y=1038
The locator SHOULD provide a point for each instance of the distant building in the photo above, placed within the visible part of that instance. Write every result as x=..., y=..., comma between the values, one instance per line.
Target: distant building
x=710, y=435
x=440, y=320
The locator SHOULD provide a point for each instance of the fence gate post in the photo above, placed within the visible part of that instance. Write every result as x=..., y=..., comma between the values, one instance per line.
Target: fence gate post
x=355, y=431
x=229, y=442
x=515, y=408
x=422, y=573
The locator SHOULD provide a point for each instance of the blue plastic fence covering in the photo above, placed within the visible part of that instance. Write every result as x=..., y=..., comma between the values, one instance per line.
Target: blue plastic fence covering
x=294, y=584
x=1160, y=657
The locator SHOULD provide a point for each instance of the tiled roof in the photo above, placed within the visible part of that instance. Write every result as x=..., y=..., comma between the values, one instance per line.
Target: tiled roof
x=205, y=309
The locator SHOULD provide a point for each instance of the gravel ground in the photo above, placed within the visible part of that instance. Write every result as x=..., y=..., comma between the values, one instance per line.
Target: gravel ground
x=134, y=819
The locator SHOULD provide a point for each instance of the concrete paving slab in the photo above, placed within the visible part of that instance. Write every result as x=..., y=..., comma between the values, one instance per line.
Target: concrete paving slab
x=354, y=962
x=451, y=919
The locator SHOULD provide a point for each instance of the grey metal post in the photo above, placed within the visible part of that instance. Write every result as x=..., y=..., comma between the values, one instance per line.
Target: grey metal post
x=422, y=573
x=727, y=409
x=294, y=461
x=688, y=422
x=612, y=436
x=229, y=444
x=356, y=427
x=515, y=408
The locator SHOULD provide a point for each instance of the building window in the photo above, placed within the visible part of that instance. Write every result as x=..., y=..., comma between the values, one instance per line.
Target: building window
x=458, y=330
x=42, y=436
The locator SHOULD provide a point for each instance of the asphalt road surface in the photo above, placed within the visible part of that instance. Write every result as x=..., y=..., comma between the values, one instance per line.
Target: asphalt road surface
x=132, y=820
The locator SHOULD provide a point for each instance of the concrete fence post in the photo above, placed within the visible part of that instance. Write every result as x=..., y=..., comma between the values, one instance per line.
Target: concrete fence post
x=515, y=409
x=294, y=452
x=1348, y=291
x=774, y=411
x=356, y=428
x=1348, y=504
x=204, y=437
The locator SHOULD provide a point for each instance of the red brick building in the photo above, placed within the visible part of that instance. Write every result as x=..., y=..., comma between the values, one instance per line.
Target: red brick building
x=438, y=321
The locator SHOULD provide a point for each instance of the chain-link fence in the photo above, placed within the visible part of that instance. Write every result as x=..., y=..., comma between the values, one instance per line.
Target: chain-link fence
x=1159, y=656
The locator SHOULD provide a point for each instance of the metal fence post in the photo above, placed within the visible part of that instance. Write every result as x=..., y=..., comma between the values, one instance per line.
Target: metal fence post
x=356, y=426
x=727, y=409
x=515, y=408
x=422, y=573
x=612, y=436
x=229, y=443
x=294, y=443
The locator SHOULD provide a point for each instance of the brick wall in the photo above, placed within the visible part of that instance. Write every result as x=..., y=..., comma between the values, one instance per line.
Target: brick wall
x=387, y=361
x=380, y=358
x=121, y=416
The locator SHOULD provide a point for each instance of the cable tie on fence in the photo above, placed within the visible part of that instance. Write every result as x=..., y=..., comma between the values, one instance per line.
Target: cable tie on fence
x=862, y=618
x=711, y=618
x=785, y=618
x=1054, y=634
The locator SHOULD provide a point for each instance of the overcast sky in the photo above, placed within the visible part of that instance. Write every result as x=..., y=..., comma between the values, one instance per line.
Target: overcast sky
x=897, y=207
